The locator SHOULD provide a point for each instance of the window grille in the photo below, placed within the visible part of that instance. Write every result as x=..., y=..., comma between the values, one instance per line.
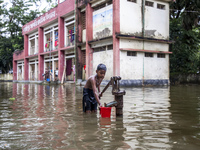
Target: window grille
x=148, y=54
x=129, y=53
x=134, y=1
x=160, y=55
x=160, y=6
x=148, y=3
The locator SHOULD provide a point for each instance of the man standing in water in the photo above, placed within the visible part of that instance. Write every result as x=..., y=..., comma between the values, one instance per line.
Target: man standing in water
x=90, y=95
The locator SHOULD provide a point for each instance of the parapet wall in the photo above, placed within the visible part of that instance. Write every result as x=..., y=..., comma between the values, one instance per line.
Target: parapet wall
x=17, y=55
x=6, y=77
x=185, y=79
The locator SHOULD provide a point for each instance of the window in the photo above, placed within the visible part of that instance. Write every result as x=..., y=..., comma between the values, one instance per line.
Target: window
x=83, y=19
x=134, y=1
x=51, y=38
x=70, y=35
x=48, y=42
x=33, y=44
x=99, y=7
x=103, y=48
x=160, y=6
x=110, y=47
x=69, y=31
x=148, y=54
x=56, y=39
x=99, y=49
x=148, y=3
x=129, y=53
x=160, y=55
x=102, y=5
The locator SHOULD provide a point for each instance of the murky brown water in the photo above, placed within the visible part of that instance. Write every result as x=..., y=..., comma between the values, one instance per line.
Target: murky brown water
x=50, y=117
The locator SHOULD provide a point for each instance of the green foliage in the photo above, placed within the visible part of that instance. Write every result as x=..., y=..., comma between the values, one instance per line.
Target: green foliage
x=12, y=20
x=184, y=31
x=6, y=51
x=187, y=10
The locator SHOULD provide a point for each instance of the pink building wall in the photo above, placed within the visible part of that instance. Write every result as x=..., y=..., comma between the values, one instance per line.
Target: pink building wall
x=116, y=29
x=55, y=14
x=89, y=37
x=58, y=14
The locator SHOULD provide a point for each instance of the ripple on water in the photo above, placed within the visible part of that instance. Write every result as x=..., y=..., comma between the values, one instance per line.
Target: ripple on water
x=51, y=117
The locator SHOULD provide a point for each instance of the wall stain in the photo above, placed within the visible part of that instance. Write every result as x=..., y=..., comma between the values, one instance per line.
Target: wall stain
x=104, y=33
x=149, y=33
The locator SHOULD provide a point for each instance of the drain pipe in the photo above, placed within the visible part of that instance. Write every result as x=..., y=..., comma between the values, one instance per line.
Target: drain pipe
x=143, y=17
x=143, y=32
x=75, y=43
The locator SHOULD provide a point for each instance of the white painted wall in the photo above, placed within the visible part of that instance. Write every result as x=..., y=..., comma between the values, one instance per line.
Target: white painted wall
x=134, y=44
x=158, y=20
x=105, y=57
x=130, y=17
x=134, y=67
x=131, y=67
x=155, y=19
x=156, y=68
x=6, y=76
x=156, y=46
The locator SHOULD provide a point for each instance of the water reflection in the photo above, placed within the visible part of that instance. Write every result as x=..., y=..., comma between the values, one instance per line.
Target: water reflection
x=185, y=111
x=51, y=117
x=147, y=118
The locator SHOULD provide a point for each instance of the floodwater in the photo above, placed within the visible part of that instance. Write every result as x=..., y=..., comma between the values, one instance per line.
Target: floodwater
x=43, y=117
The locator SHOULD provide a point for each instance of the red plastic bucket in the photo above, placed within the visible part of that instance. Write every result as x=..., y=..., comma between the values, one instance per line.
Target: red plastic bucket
x=105, y=112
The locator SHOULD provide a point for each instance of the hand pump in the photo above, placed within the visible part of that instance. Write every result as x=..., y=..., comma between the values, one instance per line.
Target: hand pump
x=118, y=103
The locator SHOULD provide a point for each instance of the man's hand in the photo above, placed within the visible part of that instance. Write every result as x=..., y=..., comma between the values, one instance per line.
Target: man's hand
x=100, y=95
x=100, y=104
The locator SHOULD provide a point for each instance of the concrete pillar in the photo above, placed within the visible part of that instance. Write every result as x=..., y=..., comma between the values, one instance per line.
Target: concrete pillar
x=61, y=53
x=61, y=64
x=79, y=63
x=79, y=55
x=89, y=37
x=26, y=61
x=79, y=26
x=26, y=68
x=41, y=67
x=116, y=29
x=61, y=32
x=41, y=50
x=25, y=45
x=14, y=70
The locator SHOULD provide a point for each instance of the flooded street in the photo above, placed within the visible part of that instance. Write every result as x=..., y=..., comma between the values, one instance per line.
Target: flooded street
x=43, y=117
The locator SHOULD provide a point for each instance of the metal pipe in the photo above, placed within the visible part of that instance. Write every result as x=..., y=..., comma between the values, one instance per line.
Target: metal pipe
x=143, y=34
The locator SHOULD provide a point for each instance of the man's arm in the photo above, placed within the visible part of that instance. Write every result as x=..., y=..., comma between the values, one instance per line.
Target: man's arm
x=96, y=94
x=100, y=93
x=99, y=89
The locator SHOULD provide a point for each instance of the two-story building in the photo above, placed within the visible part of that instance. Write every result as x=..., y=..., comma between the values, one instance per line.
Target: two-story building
x=131, y=37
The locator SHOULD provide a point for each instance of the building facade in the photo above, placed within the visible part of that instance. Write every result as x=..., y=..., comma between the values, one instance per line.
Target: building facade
x=131, y=37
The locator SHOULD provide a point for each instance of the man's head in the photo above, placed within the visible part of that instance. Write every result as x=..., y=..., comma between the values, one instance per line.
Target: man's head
x=101, y=67
x=101, y=70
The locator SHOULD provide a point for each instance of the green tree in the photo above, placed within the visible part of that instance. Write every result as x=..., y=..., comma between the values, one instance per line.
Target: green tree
x=184, y=31
x=12, y=20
